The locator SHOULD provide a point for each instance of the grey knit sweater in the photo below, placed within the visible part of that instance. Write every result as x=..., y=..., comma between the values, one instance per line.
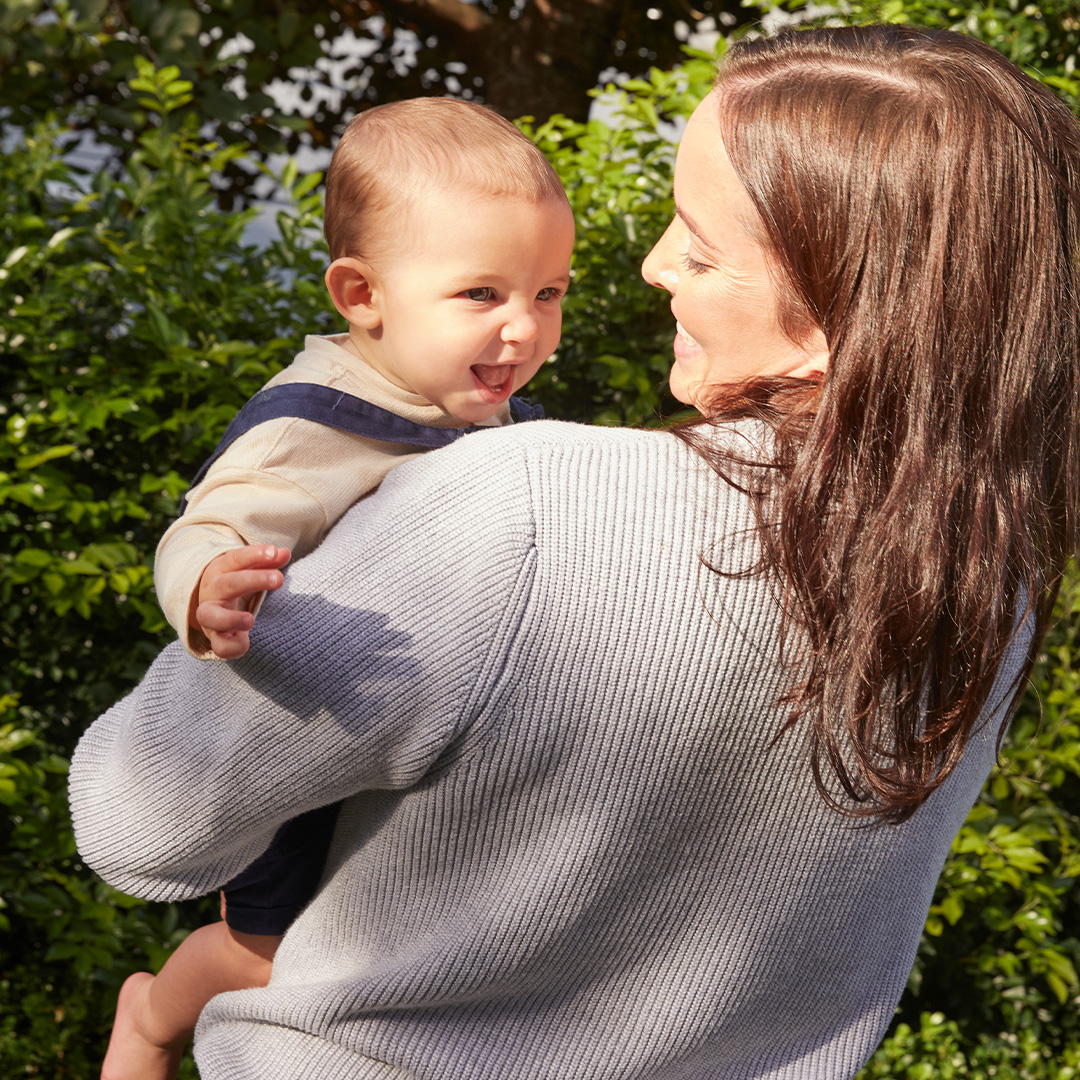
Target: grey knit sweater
x=568, y=848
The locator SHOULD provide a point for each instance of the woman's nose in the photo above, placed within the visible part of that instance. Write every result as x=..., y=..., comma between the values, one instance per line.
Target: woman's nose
x=657, y=268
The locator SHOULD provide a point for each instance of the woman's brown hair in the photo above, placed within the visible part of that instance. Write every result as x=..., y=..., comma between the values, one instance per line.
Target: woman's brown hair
x=920, y=199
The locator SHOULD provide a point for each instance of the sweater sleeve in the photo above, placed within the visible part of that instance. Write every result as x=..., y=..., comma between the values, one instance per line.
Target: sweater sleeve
x=379, y=648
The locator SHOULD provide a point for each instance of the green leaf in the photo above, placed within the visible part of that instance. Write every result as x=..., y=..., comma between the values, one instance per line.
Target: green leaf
x=952, y=907
x=32, y=461
x=288, y=24
x=172, y=25
x=1058, y=985
x=15, y=255
x=33, y=557
x=1061, y=966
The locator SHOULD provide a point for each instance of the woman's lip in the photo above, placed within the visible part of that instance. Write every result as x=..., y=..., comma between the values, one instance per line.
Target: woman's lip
x=684, y=335
x=684, y=345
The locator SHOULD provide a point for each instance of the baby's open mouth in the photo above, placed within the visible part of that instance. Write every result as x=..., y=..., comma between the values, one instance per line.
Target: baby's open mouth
x=495, y=377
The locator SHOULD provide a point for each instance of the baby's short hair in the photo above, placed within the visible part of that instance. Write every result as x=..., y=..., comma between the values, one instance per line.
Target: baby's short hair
x=392, y=151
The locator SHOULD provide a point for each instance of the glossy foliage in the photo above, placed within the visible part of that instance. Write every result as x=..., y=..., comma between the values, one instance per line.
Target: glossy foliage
x=135, y=320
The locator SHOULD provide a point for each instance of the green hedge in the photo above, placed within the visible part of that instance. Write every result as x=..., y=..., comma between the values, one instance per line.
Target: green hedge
x=135, y=320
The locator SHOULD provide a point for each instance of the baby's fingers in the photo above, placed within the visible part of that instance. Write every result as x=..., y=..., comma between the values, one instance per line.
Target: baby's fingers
x=229, y=646
x=226, y=628
x=238, y=583
x=253, y=557
x=215, y=618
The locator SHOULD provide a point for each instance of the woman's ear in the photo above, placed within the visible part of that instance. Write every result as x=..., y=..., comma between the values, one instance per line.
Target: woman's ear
x=349, y=282
x=815, y=357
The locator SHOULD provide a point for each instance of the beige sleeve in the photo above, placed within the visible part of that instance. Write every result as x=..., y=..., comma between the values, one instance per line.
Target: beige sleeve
x=284, y=483
x=241, y=506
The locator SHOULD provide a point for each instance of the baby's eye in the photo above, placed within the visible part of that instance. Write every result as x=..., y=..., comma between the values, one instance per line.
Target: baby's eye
x=548, y=294
x=693, y=265
x=481, y=295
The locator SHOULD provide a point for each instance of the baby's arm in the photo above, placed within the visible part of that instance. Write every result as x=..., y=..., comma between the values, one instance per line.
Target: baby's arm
x=220, y=606
x=232, y=513
x=282, y=485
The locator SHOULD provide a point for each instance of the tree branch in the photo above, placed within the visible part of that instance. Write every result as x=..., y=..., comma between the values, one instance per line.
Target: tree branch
x=441, y=16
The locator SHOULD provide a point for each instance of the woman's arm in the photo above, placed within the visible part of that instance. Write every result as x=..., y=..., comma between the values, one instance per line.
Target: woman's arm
x=380, y=646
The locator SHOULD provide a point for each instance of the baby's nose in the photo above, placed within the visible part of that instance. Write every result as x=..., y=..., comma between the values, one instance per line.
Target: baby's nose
x=521, y=328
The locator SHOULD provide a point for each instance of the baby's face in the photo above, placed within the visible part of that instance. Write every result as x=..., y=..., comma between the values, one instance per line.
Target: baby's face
x=470, y=298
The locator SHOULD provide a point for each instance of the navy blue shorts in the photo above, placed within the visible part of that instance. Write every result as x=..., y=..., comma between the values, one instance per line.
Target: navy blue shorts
x=274, y=889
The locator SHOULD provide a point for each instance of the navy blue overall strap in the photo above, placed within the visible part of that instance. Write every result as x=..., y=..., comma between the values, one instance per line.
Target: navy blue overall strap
x=346, y=412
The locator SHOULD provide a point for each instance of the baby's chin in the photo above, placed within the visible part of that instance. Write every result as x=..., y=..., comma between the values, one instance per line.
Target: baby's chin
x=470, y=409
x=478, y=416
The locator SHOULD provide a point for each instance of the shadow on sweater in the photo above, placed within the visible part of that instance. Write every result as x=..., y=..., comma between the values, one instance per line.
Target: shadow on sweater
x=309, y=655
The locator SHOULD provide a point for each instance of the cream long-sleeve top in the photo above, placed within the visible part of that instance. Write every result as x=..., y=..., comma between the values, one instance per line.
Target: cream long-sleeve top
x=569, y=848
x=285, y=482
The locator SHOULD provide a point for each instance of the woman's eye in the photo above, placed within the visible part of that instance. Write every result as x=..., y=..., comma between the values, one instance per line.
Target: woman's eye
x=481, y=295
x=550, y=293
x=693, y=265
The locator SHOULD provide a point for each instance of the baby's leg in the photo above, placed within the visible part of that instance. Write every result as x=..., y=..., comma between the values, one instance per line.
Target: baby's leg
x=156, y=1014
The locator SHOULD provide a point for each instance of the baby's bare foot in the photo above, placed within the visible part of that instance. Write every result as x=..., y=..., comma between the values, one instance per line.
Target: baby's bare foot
x=132, y=1053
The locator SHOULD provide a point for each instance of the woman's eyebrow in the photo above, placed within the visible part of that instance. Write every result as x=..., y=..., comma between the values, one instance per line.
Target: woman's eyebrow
x=695, y=229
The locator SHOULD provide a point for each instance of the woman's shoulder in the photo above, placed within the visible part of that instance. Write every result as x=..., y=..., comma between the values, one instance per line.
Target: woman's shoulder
x=747, y=438
x=537, y=442
x=500, y=464
x=563, y=465
x=534, y=444
x=504, y=463
x=567, y=433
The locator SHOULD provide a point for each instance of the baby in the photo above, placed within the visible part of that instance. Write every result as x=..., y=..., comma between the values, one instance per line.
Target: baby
x=450, y=237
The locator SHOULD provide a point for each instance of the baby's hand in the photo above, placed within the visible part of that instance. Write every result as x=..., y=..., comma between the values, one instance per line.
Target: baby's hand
x=225, y=589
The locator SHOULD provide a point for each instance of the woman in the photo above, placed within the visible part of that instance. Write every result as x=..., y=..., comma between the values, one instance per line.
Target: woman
x=652, y=747
x=910, y=201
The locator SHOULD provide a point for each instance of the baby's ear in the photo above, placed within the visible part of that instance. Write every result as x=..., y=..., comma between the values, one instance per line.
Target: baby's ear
x=349, y=282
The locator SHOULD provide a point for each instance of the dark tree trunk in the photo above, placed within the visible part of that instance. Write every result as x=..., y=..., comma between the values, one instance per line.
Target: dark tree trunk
x=544, y=61
x=547, y=60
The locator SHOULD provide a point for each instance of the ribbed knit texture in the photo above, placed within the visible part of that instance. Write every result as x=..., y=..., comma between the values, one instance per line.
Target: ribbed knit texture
x=568, y=848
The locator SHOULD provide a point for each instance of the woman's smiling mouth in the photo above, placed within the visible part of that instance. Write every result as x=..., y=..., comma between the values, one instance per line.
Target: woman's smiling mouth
x=683, y=334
